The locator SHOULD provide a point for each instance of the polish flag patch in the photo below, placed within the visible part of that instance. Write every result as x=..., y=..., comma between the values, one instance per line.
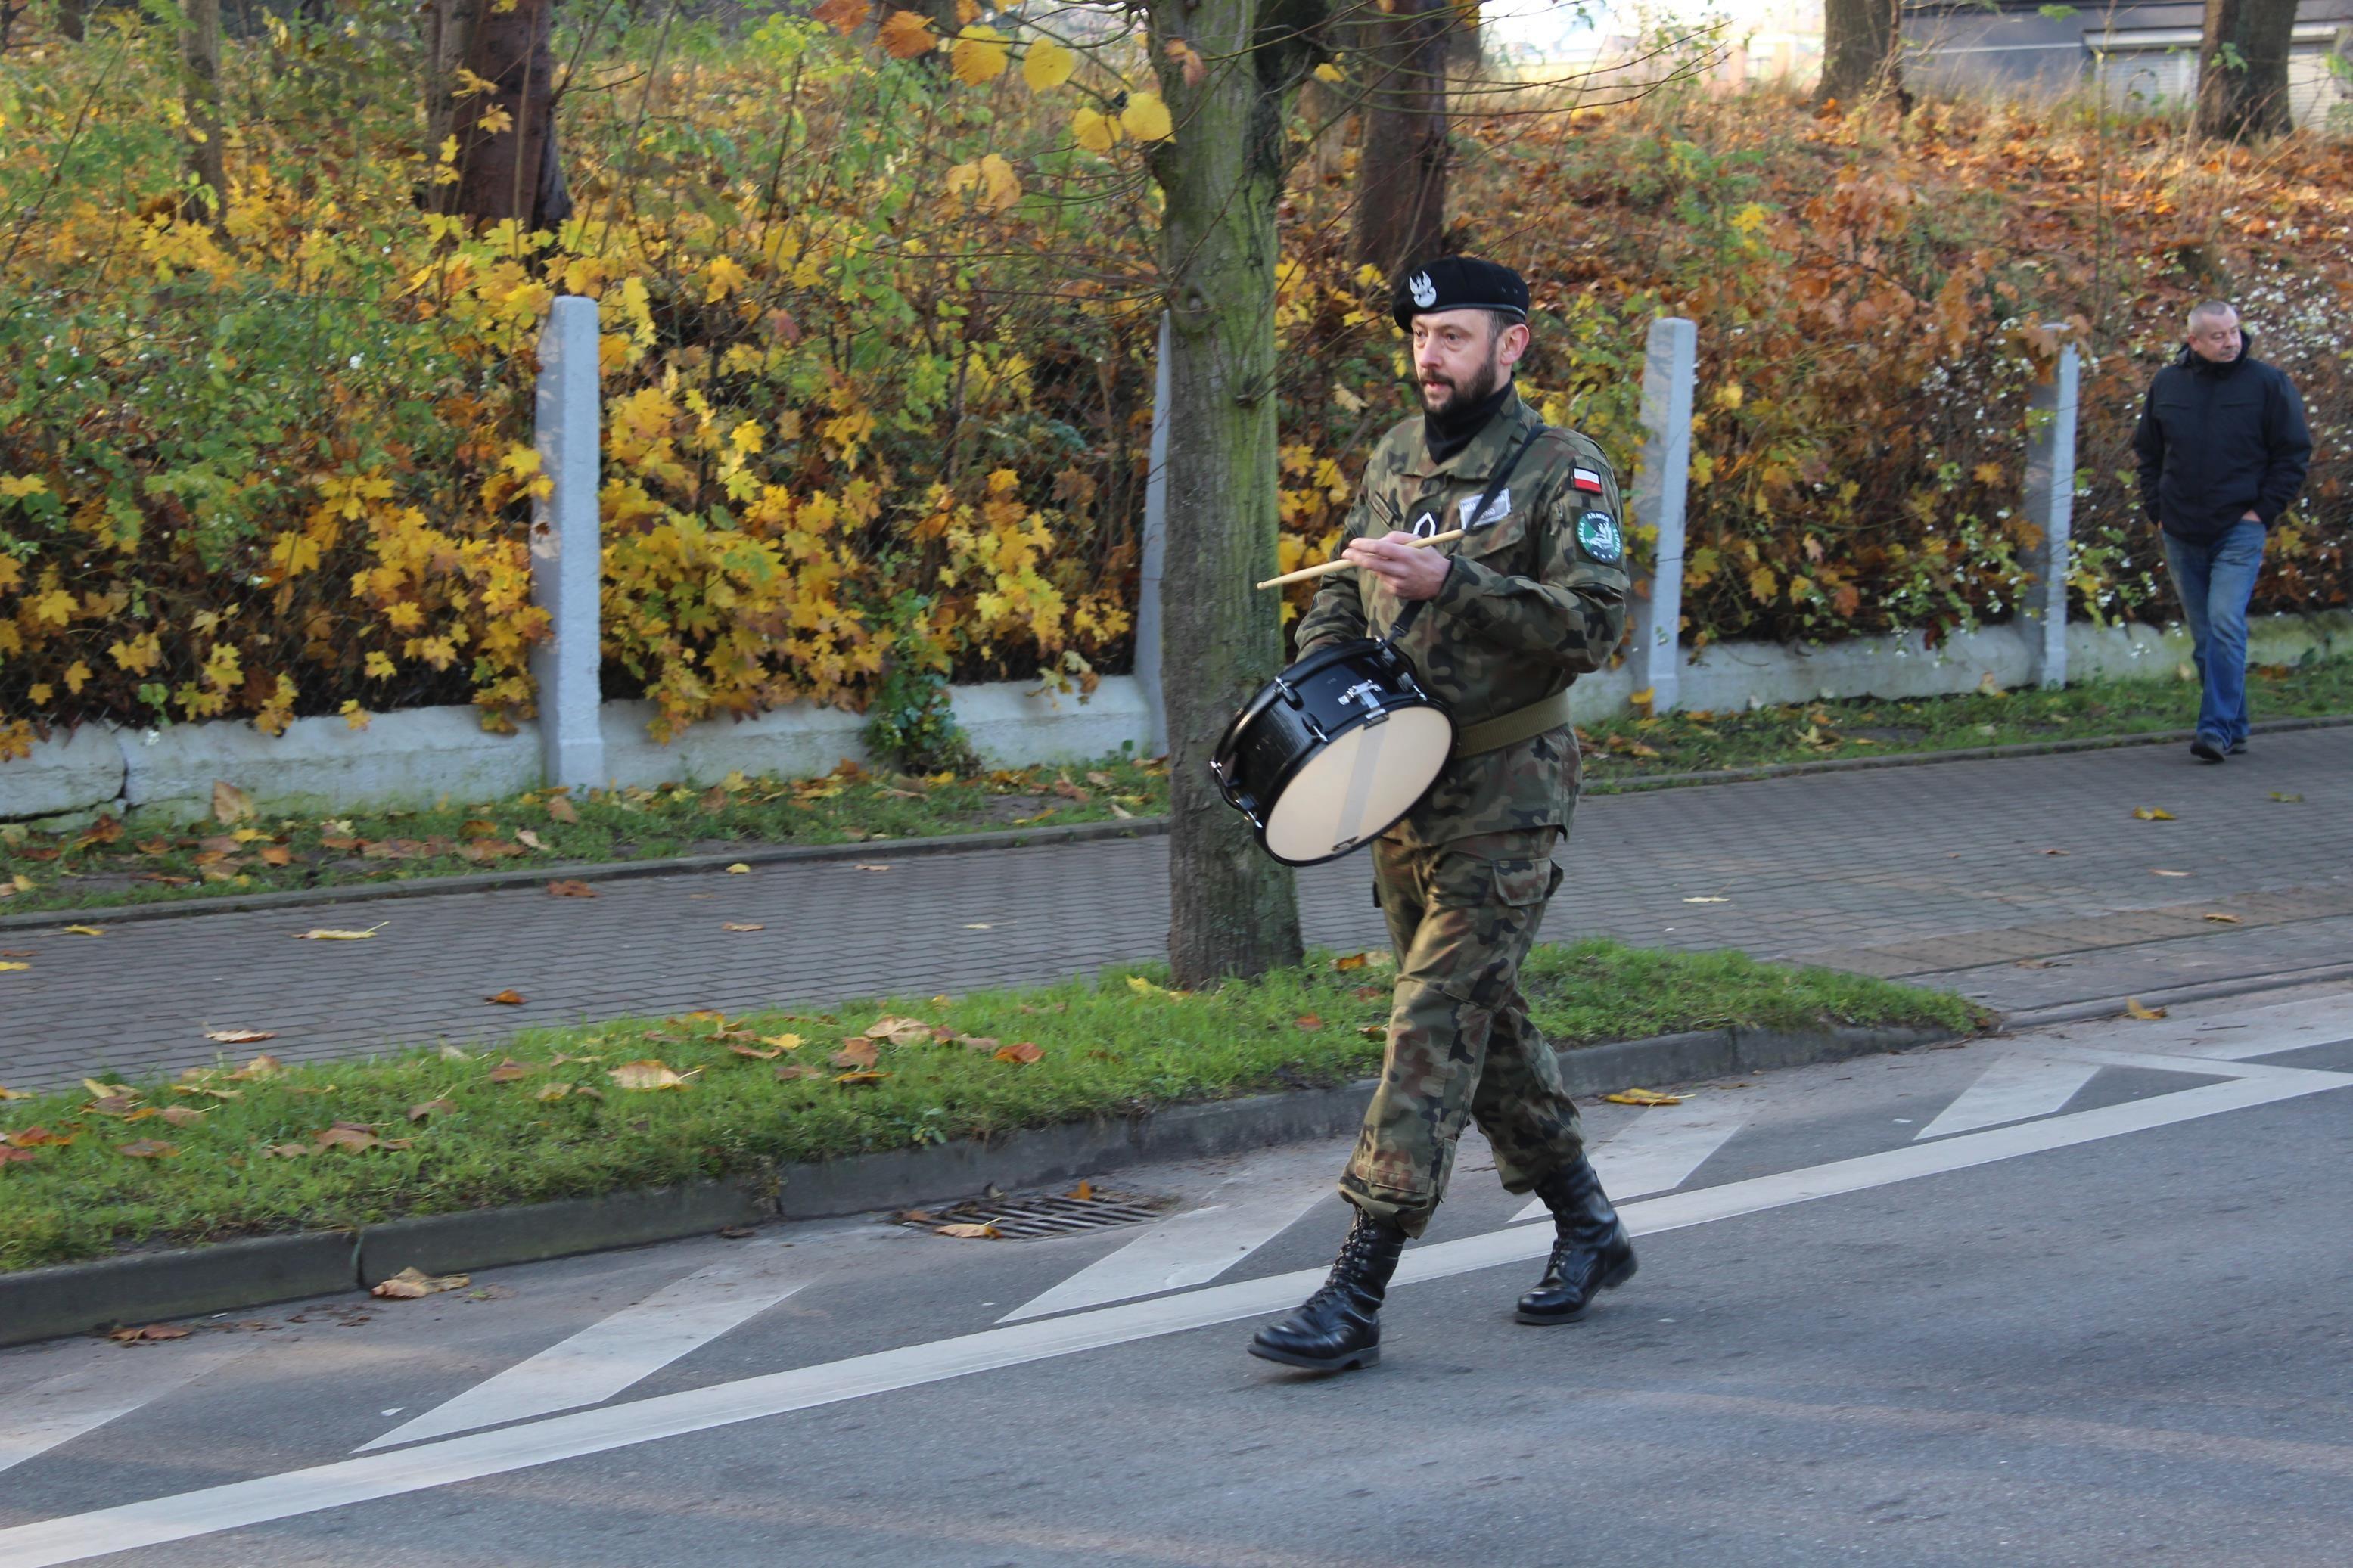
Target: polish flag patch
x=1585, y=479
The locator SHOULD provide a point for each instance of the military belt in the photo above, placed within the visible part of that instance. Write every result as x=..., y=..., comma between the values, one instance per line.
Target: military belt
x=1509, y=729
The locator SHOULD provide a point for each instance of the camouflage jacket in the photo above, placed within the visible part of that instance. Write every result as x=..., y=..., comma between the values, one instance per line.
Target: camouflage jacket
x=1535, y=597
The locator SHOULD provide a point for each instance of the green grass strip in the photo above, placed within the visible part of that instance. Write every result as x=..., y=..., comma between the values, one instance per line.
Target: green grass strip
x=542, y=1116
x=1629, y=749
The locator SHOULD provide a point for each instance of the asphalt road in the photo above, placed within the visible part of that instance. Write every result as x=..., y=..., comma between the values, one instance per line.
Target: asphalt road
x=2080, y=1296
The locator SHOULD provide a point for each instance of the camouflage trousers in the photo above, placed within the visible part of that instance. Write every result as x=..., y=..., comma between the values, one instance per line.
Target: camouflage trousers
x=1461, y=916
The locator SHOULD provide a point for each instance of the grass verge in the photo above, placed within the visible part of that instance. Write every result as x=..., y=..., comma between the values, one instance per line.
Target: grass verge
x=229, y=1151
x=1628, y=749
x=110, y=866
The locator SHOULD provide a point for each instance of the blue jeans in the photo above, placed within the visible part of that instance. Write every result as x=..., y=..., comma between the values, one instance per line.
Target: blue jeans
x=2215, y=582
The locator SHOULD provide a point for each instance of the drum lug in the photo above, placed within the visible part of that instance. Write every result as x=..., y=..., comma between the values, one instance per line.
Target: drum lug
x=1290, y=693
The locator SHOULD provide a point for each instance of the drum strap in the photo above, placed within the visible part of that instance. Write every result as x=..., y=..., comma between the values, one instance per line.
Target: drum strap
x=1509, y=729
x=1412, y=611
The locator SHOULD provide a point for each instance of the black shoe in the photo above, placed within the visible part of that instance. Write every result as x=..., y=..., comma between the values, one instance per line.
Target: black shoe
x=2210, y=748
x=1592, y=1254
x=1339, y=1327
x=2237, y=748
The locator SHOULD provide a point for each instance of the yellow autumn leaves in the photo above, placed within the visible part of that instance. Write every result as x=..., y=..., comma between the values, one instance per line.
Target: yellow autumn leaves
x=979, y=54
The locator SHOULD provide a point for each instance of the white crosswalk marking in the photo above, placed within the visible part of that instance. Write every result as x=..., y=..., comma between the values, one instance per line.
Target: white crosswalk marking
x=606, y=1357
x=1659, y=1149
x=114, y=1382
x=1189, y=1249
x=2013, y=1089
x=2260, y=1032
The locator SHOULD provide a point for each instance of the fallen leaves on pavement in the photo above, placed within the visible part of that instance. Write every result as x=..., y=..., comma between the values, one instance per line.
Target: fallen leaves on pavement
x=740, y=925
x=84, y=930
x=857, y=1051
x=2222, y=920
x=261, y=1067
x=970, y=1232
x=571, y=888
x=1021, y=1053
x=738, y=869
x=147, y=1335
x=1642, y=1096
x=412, y=1282
x=2136, y=1008
x=240, y=1036
x=2152, y=813
x=507, y=998
x=3, y=966
x=509, y=1070
x=326, y=934
x=431, y=1108
x=2289, y=799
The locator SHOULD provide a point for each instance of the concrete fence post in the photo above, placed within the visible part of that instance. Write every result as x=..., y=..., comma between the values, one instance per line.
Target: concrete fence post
x=567, y=557
x=1661, y=488
x=1155, y=553
x=2050, y=507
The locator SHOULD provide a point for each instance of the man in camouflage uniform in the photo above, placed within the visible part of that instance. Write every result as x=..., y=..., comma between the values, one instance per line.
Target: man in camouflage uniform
x=1533, y=595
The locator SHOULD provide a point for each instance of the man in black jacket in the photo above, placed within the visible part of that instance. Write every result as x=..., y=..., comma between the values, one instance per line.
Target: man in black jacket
x=2224, y=450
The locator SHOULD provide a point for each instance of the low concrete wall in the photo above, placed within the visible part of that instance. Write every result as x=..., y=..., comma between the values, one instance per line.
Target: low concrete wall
x=417, y=757
x=424, y=755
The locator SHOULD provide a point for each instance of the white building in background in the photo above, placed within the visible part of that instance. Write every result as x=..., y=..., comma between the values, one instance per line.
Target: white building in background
x=1753, y=40
x=2142, y=54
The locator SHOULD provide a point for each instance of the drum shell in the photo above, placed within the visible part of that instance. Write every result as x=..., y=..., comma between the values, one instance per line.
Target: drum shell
x=1292, y=717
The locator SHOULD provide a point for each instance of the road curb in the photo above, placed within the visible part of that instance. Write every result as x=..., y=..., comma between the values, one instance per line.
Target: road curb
x=180, y=1282
x=1013, y=839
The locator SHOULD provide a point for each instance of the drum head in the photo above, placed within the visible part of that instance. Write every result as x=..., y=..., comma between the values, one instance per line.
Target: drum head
x=1359, y=784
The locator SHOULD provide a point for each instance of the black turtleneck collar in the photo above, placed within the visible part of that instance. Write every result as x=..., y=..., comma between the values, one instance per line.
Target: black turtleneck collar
x=2198, y=364
x=1447, y=433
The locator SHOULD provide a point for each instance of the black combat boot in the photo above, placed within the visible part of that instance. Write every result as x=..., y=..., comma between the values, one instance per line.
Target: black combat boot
x=1340, y=1325
x=1592, y=1252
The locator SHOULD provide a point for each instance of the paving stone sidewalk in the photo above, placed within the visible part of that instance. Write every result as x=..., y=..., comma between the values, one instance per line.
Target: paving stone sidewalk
x=1945, y=872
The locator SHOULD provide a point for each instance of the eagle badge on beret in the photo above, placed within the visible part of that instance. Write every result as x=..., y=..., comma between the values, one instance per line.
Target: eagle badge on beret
x=1425, y=292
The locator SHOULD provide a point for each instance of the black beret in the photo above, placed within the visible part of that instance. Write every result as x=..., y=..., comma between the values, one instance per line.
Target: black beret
x=1462, y=283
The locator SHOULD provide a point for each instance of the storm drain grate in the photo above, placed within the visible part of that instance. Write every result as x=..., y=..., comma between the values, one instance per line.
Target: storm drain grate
x=1027, y=1215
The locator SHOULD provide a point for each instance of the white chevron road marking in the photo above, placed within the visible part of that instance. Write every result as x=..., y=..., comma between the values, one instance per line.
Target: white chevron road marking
x=1658, y=1150
x=1186, y=1249
x=606, y=1357
x=75, y=1538
x=2013, y=1089
x=114, y=1383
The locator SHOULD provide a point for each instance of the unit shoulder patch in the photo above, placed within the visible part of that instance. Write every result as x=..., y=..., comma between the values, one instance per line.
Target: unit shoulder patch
x=1598, y=536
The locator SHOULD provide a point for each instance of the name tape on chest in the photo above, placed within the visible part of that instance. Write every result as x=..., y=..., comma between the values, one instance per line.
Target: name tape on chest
x=1497, y=509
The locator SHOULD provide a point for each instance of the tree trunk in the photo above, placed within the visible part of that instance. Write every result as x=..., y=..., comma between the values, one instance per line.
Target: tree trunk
x=507, y=162
x=73, y=18
x=2242, y=68
x=1401, y=172
x=200, y=55
x=1858, y=50
x=449, y=28
x=1232, y=910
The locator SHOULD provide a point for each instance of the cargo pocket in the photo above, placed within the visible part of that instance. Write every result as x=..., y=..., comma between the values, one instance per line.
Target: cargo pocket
x=1520, y=883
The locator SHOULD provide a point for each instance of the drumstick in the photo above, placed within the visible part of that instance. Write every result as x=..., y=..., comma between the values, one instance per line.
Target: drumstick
x=1338, y=565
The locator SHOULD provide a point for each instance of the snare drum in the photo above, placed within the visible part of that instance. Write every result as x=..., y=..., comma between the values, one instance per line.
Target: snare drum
x=1333, y=751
